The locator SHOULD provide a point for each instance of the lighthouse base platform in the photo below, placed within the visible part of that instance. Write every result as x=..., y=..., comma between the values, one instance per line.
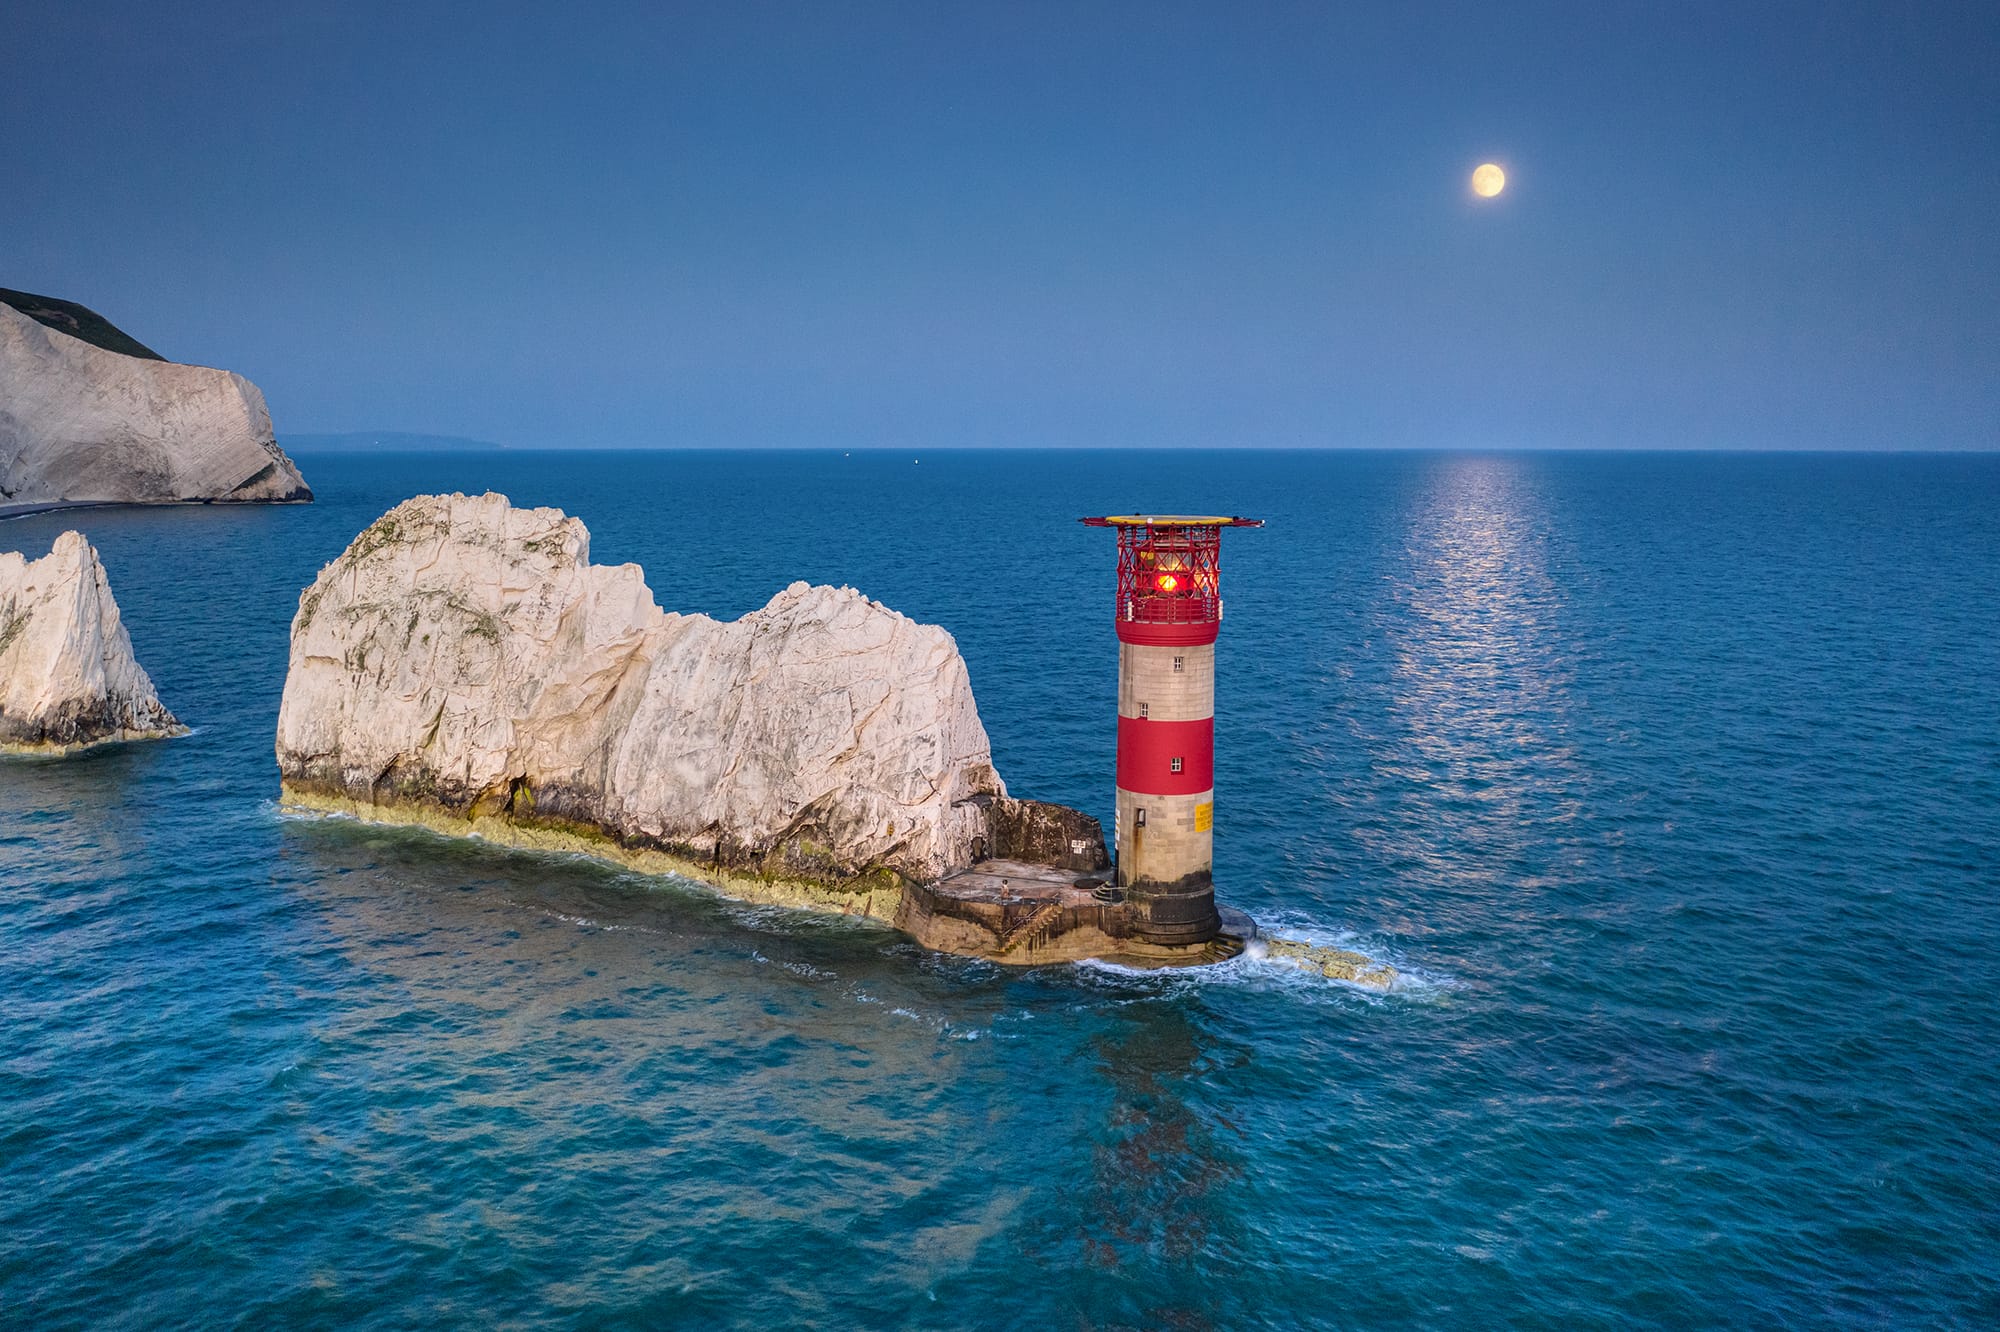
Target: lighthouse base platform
x=1024, y=914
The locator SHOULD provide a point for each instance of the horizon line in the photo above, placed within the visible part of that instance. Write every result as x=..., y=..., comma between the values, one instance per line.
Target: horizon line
x=468, y=445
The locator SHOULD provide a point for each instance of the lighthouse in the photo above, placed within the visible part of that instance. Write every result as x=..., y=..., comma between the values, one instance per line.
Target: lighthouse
x=1169, y=611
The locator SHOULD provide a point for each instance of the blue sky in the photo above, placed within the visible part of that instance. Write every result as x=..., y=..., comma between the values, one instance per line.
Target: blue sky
x=932, y=225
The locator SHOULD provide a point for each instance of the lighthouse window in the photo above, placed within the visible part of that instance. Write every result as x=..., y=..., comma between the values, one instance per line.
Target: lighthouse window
x=1177, y=765
x=1177, y=663
x=1142, y=709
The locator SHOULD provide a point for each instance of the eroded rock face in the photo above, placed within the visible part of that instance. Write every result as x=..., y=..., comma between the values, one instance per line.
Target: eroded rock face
x=83, y=425
x=67, y=675
x=464, y=664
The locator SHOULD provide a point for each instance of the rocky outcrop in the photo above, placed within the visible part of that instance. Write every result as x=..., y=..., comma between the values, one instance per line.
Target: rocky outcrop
x=82, y=424
x=1333, y=963
x=1044, y=834
x=463, y=664
x=67, y=675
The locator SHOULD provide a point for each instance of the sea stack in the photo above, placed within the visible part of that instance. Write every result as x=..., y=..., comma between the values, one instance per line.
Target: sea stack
x=464, y=665
x=68, y=679
x=88, y=415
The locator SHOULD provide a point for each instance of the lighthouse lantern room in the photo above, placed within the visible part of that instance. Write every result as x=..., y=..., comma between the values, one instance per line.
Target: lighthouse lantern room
x=1169, y=612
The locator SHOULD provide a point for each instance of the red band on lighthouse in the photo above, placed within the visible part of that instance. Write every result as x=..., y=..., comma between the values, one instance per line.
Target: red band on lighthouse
x=1148, y=750
x=1197, y=634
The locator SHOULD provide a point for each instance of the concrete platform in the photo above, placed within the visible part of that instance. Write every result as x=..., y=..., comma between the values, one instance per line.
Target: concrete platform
x=1024, y=914
x=1016, y=881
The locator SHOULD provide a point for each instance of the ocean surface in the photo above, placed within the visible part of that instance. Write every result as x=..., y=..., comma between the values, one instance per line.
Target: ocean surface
x=1670, y=782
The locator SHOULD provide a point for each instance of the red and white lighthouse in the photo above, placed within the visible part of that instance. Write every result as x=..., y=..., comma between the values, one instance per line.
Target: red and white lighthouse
x=1169, y=612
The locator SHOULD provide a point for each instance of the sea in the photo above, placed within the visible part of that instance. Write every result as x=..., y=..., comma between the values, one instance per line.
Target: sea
x=1668, y=782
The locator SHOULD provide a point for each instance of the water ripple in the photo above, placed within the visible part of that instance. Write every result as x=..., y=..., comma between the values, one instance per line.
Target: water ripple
x=1670, y=786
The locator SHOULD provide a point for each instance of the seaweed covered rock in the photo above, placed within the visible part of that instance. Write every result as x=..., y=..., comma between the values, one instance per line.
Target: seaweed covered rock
x=1333, y=963
x=463, y=664
x=89, y=416
x=67, y=675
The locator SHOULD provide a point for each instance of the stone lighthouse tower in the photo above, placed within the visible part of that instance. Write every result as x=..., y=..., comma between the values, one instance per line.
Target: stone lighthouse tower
x=1169, y=612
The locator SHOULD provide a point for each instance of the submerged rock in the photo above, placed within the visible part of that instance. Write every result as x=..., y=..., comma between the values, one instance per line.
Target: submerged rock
x=1333, y=963
x=67, y=675
x=464, y=665
x=88, y=416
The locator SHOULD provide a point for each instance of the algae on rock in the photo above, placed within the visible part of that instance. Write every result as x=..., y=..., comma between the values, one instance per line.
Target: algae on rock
x=1333, y=963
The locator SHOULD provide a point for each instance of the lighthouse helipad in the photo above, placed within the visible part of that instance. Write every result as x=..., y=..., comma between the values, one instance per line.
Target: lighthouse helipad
x=1157, y=902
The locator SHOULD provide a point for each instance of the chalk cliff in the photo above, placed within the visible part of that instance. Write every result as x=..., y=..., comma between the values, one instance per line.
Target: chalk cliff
x=67, y=675
x=464, y=665
x=83, y=424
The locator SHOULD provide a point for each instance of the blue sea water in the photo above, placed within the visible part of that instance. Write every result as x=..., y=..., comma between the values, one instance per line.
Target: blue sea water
x=1671, y=782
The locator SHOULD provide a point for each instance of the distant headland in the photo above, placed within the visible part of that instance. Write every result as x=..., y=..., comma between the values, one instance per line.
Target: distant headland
x=91, y=415
x=386, y=441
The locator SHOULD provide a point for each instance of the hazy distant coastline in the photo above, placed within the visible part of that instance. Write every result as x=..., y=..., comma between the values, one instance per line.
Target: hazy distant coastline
x=385, y=441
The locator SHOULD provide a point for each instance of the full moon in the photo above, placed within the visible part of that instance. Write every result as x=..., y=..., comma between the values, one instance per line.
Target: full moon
x=1488, y=180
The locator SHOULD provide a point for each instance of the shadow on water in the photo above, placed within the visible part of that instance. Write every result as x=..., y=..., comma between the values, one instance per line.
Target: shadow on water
x=81, y=818
x=779, y=1072
x=1134, y=1211
x=798, y=1080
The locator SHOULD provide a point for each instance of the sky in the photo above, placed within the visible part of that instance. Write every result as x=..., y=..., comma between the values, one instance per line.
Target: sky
x=936, y=225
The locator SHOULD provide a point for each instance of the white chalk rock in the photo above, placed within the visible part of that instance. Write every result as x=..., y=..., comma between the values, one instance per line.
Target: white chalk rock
x=67, y=675
x=82, y=425
x=464, y=657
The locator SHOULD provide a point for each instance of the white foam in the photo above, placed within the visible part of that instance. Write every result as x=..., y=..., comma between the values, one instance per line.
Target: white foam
x=1255, y=969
